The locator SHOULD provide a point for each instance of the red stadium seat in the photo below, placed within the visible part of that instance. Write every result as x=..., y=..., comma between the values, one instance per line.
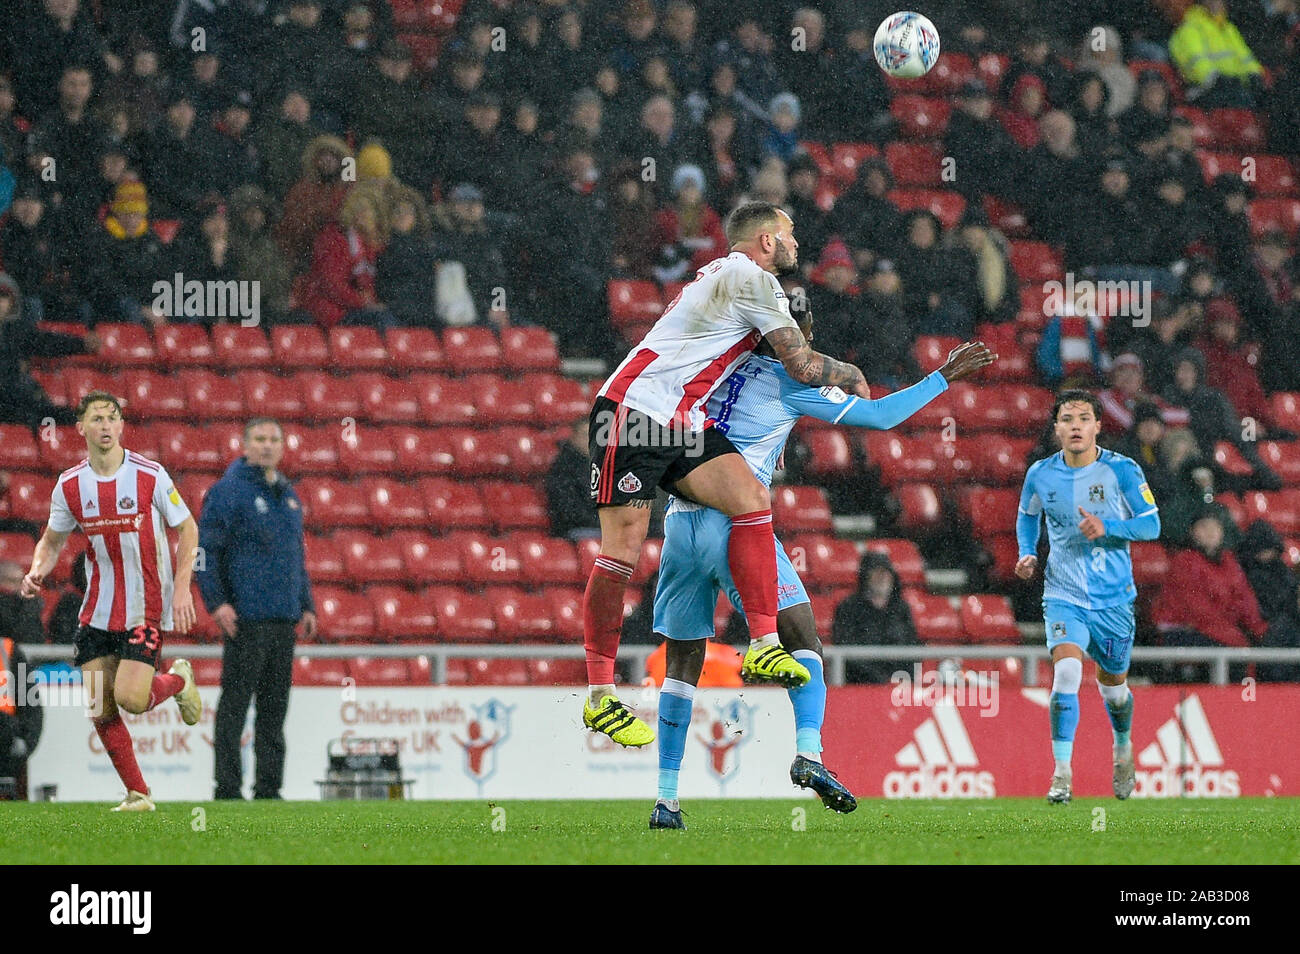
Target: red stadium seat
x=343, y=616
x=949, y=73
x=1283, y=458
x=566, y=609
x=310, y=450
x=530, y=453
x=1281, y=508
x=1150, y=562
x=899, y=458
x=207, y=672
x=990, y=68
x=184, y=346
x=935, y=619
x=415, y=349
x=931, y=351
x=488, y=560
x=267, y=395
x=1000, y=460
x=1014, y=362
x=386, y=400
x=462, y=616
x=208, y=448
x=452, y=504
x=18, y=448
x=370, y=559
x=394, y=505
x=1004, y=552
x=380, y=671
x=557, y=672
x=53, y=382
x=987, y=618
x=1267, y=215
x=445, y=400
x=631, y=302
x=905, y=558
x=1236, y=509
x=1285, y=410
x=1241, y=130
x=819, y=154
x=829, y=453
x=529, y=349
x=800, y=510
x=153, y=396
x=514, y=506
x=357, y=348
x=480, y=453
x=990, y=510
x=647, y=565
x=1275, y=176
x=194, y=488
x=471, y=349
x=1230, y=460
x=1007, y=217
x=329, y=504
x=421, y=670
x=326, y=397
x=946, y=206
x=19, y=548
x=422, y=451
x=63, y=447
x=823, y=605
x=429, y=559
x=547, y=560
x=914, y=165
x=1035, y=262
x=520, y=616
x=424, y=49
x=847, y=156
x=920, y=117
x=323, y=560
x=299, y=346
x=365, y=450
x=125, y=346
x=922, y=510
x=235, y=346
x=402, y=615
x=588, y=549
x=320, y=671
x=501, y=401
x=212, y=397
x=1200, y=120
x=824, y=561
x=487, y=672
x=557, y=399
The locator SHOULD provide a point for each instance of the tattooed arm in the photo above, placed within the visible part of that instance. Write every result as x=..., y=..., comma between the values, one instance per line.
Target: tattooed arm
x=810, y=367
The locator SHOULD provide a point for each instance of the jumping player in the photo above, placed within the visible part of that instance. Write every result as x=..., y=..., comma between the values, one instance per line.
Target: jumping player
x=1095, y=501
x=756, y=407
x=123, y=502
x=649, y=429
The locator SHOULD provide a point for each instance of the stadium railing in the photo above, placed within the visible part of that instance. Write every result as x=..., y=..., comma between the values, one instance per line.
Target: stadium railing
x=1218, y=658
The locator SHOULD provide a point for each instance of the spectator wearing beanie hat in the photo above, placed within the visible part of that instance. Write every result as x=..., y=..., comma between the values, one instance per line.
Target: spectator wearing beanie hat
x=314, y=200
x=1028, y=102
x=782, y=139
x=127, y=260
x=688, y=232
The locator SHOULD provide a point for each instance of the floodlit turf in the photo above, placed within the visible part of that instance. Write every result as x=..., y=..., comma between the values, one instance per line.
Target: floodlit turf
x=1238, y=831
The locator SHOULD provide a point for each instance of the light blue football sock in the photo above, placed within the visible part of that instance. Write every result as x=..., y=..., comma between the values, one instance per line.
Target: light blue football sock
x=676, y=699
x=809, y=701
x=1064, y=708
x=1121, y=720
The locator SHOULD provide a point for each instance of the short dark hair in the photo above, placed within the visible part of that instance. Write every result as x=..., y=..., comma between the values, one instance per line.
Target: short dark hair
x=743, y=219
x=97, y=397
x=1071, y=395
x=258, y=422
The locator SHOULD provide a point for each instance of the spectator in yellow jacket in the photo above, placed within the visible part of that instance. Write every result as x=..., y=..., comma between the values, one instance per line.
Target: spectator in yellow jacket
x=1214, y=60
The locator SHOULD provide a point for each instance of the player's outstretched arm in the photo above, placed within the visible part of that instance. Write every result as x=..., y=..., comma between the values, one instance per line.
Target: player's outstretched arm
x=43, y=560
x=184, y=614
x=813, y=368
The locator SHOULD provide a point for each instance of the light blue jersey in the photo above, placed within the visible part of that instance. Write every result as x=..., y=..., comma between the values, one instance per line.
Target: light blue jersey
x=1094, y=574
x=756, y=407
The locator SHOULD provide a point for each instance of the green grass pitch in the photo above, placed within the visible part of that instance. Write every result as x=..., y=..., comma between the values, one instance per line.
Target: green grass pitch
x=1237, y=831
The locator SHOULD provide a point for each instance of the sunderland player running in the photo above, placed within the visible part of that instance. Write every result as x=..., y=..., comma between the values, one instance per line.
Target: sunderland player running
x=650, y=429
x=1095, y=501
x=123, y=502
x=756, y=407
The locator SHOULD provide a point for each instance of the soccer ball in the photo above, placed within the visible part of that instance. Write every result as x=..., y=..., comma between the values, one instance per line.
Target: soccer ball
x=906, y=45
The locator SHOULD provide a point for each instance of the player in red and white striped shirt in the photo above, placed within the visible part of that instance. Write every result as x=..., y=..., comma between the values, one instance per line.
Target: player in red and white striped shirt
x=123, y=502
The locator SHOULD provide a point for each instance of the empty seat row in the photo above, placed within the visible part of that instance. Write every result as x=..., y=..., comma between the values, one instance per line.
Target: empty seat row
x=233, y=346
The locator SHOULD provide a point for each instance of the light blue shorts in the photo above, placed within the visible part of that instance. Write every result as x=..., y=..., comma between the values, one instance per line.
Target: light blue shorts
x=693, y=568
x=1104, y=634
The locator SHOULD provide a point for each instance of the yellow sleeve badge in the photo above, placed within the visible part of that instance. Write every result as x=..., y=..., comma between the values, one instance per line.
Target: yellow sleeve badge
x=1147, y=495
x=175, y=498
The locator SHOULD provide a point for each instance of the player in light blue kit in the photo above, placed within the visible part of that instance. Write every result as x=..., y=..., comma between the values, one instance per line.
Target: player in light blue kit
x=756, y=407
x=1095, y=501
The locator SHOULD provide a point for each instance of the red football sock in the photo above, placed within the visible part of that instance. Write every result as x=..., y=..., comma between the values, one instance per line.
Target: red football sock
x=165, y=685
x=117, y=743
x=751, y=554
x=602, y=617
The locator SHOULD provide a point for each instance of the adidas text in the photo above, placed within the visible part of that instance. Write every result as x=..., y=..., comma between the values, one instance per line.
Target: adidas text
x=930, y=782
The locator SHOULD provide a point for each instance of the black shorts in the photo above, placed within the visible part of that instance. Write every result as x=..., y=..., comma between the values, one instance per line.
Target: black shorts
x=632, y=454
x=142, y=644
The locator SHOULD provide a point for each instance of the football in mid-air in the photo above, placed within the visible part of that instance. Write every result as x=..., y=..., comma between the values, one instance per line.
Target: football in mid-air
x=906, y=45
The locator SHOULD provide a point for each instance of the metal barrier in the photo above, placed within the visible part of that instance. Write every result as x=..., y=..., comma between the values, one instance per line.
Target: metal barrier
x=439, y=653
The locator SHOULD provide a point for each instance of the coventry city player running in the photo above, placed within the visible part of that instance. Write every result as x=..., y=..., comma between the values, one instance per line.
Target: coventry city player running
x=1095, y=502
x=756, y=407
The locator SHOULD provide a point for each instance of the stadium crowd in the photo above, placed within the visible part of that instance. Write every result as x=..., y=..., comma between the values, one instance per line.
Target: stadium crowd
x=503, y=165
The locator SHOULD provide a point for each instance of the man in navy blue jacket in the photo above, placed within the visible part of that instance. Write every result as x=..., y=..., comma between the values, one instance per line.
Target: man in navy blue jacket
x=254, y=583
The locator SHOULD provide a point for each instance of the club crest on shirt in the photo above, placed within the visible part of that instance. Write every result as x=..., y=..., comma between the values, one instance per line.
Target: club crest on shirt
x=126, y=503
x=1058, y=631
x=595, y=477
x=629, y=483
x=1096, y=494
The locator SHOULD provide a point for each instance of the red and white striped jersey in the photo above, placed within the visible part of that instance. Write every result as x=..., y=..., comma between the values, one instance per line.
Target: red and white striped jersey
x=703, y=335
x=124, y=517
